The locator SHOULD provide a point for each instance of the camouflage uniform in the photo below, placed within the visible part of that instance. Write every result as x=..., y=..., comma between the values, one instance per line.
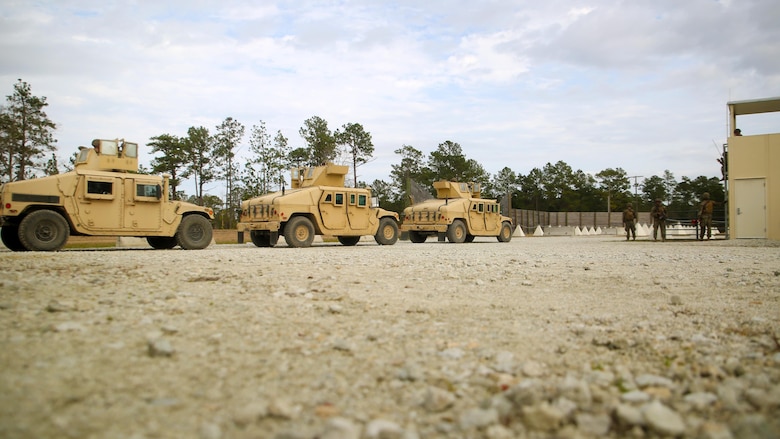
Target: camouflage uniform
x=658, y=216
x=705, y=216
x=629, y=222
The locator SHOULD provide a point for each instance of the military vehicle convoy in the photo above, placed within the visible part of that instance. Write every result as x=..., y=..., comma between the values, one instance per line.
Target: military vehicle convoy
x=102, y=196
x=458, y=213
x=317, y=203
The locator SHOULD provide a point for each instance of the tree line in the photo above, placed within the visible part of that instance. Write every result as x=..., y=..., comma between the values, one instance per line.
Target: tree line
x=554, y=187
x=209, y=156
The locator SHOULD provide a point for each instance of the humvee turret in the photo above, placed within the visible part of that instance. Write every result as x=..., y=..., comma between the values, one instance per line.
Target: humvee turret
x=102, y=196
x=458, y=213
x=316, y=204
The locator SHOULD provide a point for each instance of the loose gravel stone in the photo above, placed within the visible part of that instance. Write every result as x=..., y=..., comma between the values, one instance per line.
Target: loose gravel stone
x=539, y=338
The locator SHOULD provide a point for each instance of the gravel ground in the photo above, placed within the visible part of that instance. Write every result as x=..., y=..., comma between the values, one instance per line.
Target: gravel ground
x=553, y=337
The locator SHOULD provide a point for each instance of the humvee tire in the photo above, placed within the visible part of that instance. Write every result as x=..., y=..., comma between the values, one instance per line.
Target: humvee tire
x=44, y=230
x=194, y=232
x=348, y=240
x=506, y=233
x=262, y=239
x=387, y=234
x=456, y=232
x=10, y=237
x=162, y=242
x=469, y=237
x=299, y=232
x=417, y=237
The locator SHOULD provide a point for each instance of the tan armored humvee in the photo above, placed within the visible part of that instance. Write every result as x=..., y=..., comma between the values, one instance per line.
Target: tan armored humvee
x=458, y=213
x=102, y=196
x=316, y=204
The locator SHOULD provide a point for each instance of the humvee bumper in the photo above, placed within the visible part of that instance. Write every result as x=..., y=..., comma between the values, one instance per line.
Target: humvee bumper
x=424, y=227
x=271, y=226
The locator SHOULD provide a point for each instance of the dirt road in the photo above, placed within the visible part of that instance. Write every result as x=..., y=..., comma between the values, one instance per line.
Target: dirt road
x=536, y=338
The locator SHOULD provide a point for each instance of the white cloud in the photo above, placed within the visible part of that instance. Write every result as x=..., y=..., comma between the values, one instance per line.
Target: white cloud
x=639, y=85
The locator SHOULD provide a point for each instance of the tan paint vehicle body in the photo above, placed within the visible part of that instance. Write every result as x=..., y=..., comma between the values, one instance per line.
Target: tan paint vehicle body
x=316, y=204
x=102, y=196
x=458, y=213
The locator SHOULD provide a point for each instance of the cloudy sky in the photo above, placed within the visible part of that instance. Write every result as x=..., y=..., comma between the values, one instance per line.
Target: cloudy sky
x=641, y=85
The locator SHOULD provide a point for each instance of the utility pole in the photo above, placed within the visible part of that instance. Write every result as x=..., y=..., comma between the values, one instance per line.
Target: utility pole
x=636, y=187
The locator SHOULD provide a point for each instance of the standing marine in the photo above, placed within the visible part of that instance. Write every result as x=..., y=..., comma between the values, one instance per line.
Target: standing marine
x=705, y=216
x=658, y=217
x=629, y=222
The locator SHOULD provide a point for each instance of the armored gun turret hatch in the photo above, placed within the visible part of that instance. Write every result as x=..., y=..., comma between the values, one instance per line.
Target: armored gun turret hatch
x=109, y=155
x=453, y=189
x=325, y=175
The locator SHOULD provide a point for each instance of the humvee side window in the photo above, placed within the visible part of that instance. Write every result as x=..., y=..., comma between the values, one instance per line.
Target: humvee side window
x=339, y=199
x=481, y=208
x=100, y=187
x=328, y=198
x=473, y=207
x=148, y=190
x=351, y=199
x=362, y=200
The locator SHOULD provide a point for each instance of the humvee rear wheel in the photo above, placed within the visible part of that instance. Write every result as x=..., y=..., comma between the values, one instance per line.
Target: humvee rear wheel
x=44, y=230
x=194, y=232
x=387, y=234
x=162, y=242
x=456, y=232
x=299, y=232
x=417, y=237
x=348, y=240
x=262, y=239
x=506, y=233
x=10, y=236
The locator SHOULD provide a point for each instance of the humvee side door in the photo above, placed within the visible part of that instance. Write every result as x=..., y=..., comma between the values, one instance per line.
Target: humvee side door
x=142, y=203
x=99, y=202
x=477, y=216
x=358, y=212
x=333, y=211
x=492, y=217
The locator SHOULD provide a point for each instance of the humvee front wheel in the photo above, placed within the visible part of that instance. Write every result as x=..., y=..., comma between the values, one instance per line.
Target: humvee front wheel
x=44, y=230
x=348, y=240
x=456, y=232
x=10, y=236
x=262, y=239
x=194, y=232
x=417, y=237
x=506, y=233
x=387, y=234
x=299, y=232
x=161, y=242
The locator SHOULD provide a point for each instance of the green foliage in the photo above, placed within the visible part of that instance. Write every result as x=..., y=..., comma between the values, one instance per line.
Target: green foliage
x=173, y=160
x=615, y=184
x=226, y=140
x=448, y=162
x=198, y=147
x=320, y=141
x=357, y=143
x=52, y=168
x=26, y=134
x=264, y=169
